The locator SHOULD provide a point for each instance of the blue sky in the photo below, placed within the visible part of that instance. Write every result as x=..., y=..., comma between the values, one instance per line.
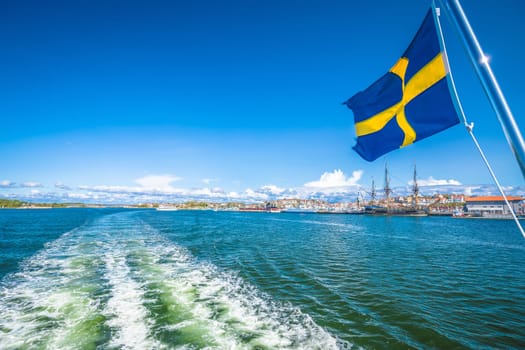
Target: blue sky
x=134, y=100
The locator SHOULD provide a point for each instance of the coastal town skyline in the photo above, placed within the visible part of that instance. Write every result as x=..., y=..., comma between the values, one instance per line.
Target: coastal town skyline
x=332, y=188
x=238, y=101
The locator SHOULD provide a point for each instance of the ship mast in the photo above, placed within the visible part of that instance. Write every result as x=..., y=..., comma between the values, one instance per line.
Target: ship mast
x=388, y=190
x=415, y=187
x=373, y=193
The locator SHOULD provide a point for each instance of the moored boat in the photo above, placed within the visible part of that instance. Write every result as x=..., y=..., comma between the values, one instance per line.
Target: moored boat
x=167, y=208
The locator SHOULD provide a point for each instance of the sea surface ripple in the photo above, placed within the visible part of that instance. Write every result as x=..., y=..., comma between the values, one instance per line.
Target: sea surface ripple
x=143, y=279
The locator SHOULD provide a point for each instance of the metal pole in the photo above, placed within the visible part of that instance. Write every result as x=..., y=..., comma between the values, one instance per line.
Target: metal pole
x=488, y=80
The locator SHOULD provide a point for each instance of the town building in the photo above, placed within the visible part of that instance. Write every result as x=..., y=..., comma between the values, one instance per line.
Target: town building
x=493, y=206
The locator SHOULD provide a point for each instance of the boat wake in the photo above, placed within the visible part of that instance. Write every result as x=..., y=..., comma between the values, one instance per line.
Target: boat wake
x=117, y=283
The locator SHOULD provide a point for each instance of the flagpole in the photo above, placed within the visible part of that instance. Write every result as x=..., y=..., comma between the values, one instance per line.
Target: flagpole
x=488, y=80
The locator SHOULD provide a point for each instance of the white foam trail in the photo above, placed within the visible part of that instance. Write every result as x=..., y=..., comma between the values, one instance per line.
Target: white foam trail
x=124, y=308
x=231, y=312
x=119, y=284
x=42, y=306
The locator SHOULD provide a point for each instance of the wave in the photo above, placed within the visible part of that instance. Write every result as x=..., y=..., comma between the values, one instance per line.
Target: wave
x=117, y=283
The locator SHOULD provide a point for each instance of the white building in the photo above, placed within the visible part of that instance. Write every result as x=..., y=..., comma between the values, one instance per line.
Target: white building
x=493, y=205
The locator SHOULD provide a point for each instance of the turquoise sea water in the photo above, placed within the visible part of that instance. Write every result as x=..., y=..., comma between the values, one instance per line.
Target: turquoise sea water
x=143, y=279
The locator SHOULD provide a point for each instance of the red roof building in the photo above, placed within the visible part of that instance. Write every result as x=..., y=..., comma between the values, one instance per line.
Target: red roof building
x=492, y=199
x=488, y=206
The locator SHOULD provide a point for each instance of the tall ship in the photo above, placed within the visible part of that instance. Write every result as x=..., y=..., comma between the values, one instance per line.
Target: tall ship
x=388, y=207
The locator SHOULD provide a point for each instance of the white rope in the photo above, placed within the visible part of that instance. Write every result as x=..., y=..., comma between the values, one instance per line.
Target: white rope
x=470, y=127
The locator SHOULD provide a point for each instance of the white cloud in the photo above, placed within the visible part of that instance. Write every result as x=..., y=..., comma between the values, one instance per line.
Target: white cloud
x=272, y=189
x=79, y=195
x=331, y=186
x=31, y=184
x=138, y=194
x=435, y=182
x=206, y=192
x=335, y=179
x=158, y=182
x=7, y=183
x=103, y=188
x=62, y=186
x=469, y=190
x=254, y=195
x=133, y=190
x=154, y=191
x=233, y=195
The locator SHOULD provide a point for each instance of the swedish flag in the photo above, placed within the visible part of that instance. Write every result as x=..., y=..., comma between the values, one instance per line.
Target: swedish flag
x=410, y=102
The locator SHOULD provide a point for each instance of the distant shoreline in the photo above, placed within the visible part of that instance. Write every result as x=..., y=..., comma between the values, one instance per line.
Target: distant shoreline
x=255, y=212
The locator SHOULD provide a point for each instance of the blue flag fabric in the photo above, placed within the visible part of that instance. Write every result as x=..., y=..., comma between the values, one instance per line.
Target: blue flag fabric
x=410, y=102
